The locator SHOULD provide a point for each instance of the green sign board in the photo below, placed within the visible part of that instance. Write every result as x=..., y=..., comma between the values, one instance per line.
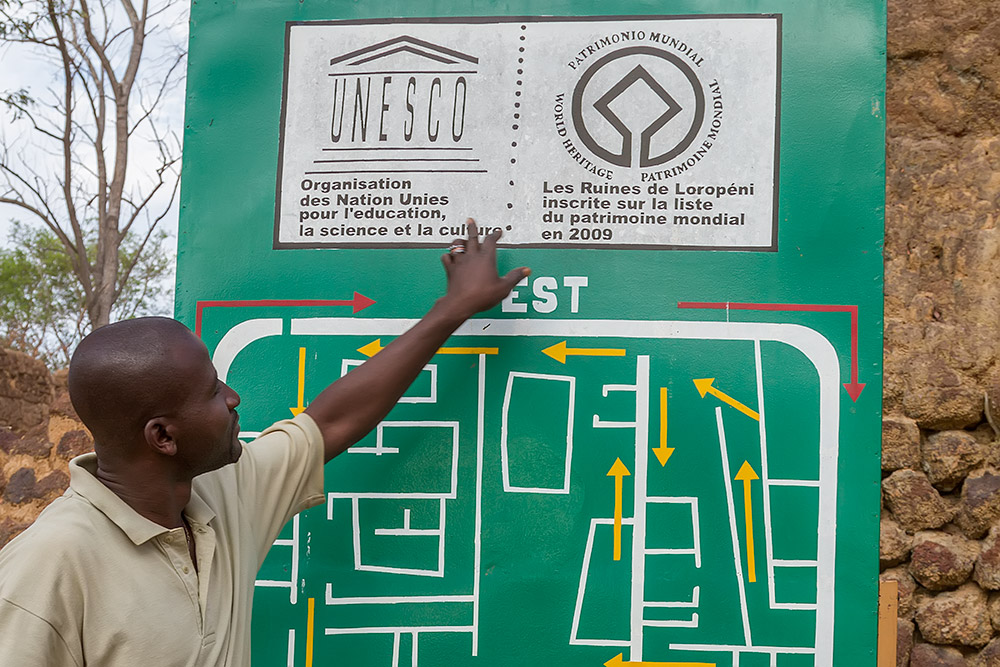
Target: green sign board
x=662, y=448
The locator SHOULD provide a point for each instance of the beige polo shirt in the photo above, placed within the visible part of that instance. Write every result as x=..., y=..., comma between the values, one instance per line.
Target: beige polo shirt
x=93, y=583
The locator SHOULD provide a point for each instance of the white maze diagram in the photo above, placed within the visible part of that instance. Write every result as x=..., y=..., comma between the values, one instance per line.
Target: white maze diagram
x=718, y=610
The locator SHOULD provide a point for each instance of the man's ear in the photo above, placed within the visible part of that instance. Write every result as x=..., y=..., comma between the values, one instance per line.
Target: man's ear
x=158, y=436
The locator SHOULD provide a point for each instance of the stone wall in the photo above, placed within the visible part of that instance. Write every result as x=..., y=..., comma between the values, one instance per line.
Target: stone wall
x=940, y=532
x=39, y=434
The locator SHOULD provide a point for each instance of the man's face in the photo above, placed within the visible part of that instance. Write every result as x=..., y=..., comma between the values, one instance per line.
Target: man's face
x=206, y=424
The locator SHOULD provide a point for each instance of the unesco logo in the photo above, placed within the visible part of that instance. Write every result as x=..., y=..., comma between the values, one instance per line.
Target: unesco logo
x=639, y=106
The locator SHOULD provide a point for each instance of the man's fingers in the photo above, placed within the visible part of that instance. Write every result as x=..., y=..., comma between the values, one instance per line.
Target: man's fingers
x=473, y=243
x=457, y=249
x=447, y=259
x=515, y=276
x=490, y=244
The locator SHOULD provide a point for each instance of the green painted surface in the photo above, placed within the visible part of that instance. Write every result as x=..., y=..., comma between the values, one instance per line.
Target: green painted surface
x=520, y=593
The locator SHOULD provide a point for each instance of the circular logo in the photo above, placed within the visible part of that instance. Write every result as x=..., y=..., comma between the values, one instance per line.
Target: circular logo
x=638, y=91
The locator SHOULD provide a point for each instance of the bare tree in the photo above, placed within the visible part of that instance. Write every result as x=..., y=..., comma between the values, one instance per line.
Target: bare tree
x=71, y=168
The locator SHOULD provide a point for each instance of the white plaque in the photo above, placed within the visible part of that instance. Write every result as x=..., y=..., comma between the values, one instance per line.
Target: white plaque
x=624, y=132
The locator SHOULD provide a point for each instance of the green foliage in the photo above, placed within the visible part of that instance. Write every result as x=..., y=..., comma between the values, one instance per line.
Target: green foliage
x=42, y=305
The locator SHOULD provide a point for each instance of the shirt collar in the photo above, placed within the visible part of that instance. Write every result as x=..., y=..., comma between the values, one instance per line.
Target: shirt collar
x=83, y=482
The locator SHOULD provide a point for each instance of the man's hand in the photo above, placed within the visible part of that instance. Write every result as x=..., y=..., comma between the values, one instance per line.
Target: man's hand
x=473, y=283
x=353, y=405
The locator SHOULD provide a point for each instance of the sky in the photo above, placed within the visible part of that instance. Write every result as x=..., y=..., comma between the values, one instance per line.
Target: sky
x=21, y=66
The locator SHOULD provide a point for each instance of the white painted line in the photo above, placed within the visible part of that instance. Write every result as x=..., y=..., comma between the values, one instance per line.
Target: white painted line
x=291, y=648
x=407, y=530
x=780, y=562
x=356, y=529
x=641, y=389
x=480, y=445
x=581, y=587
x=795, y=606
x=504, y=421
x=693, y=623
x=360, y=566
x=294, y=562
x=441, y=523
x=395, y=599
x=608, y=388
x=574, y=639
x=794, y=482
x=394, y=496
x=412, y=571
x=737, y=555
x=239, y=338
x=395, y=649
x=347, y=364
x=605, y=390
x=453, y=629
x=380, y=448
x=764, y=474
x=696, y=533
x=600, y=423
x=695, y=525
x=378, y=451
x=812, y=343
x=735, y=649
x=693, y=604
x=671, y=552
x=672, y=500
x=404, y=532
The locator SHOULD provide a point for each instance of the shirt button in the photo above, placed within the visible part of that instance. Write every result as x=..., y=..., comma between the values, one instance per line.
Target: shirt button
x=169, y=539
x=186, y=569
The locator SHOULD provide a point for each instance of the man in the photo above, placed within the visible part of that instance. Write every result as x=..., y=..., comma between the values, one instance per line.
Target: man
x=150, y=557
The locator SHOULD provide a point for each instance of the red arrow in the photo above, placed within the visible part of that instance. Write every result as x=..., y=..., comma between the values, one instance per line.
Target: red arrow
x=358, y=303
x=853, y=387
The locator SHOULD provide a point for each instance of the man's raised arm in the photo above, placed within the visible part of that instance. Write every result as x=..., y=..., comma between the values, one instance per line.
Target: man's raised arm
x=353, y=405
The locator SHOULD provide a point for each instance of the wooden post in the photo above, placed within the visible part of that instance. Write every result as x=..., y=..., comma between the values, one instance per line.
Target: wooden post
x=888, y=604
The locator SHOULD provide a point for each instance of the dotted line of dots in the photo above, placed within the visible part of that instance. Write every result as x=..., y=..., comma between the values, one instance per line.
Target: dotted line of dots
x=517, y=104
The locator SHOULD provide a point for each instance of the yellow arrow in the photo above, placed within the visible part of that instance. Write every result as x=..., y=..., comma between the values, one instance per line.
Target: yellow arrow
x=663, y=452
x=302, y=383
x=618, y=662
x=559, y=352
x=619, y=472
x=374, y=347
x=310, y=623
x=705, y=387
x=747, y=475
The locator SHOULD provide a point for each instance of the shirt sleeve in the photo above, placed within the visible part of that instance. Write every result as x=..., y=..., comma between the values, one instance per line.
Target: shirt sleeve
x=280, y=474
x=28, y=639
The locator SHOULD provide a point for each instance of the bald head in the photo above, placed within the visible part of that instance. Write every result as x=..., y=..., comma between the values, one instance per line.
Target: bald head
x=124, y=374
